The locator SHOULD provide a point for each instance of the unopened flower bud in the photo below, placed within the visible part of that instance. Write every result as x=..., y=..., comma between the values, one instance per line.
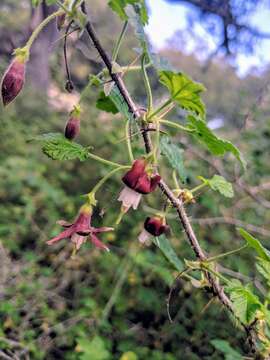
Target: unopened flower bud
x=13, y=80
x=153, y=226
x=156, y=225
x=72, y=128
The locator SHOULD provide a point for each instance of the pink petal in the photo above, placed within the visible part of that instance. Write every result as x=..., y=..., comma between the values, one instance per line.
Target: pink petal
x=98, y=244
x=63, y=235
x=129, y=198
x=78, y=240
x=64, y=223
x=102, y=229
x=144, y=237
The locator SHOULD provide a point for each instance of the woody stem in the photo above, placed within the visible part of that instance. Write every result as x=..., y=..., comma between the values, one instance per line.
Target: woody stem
x=217, y=290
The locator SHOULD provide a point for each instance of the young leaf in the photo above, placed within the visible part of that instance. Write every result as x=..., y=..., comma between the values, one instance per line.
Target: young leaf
x=106, y=104
x=57, y=147
x=163, y=243
x=136, y=23
x=255, y=244
x=159, y=62
x=119, y=6
x=174, y=154
x=224, y=347
x=218, y=183
x=245, y=304
x=184, y=91
x=117, y=98
x=113, y=103
x=215, y=145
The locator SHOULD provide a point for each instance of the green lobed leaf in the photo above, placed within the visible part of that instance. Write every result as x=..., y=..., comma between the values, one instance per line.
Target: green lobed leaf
x=57, y=147
x=244, y=303
x=215, y=145
x=119, y=6
x=174, y=154
x=220, y=184
x=93, y=349
x=224, y=347
x=255, y=244
x=263, y=266
x=184, y=91
x=164, y=245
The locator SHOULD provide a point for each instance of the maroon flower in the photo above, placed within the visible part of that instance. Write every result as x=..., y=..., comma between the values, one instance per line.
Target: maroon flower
x=72, y=128
x=153, y=226
x=79, y=231
x=138, y=181
x=13, y=80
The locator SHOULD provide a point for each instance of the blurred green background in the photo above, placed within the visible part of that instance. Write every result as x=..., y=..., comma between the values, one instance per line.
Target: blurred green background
x=51, y=305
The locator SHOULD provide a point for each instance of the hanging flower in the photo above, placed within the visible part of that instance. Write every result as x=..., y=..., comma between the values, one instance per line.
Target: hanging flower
x=80, y=230
x=72, y=128
x=153, y=226
x=13, y=80
x=137, y=182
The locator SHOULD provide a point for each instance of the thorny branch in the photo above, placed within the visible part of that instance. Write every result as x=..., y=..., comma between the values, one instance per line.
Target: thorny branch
x=177, y=203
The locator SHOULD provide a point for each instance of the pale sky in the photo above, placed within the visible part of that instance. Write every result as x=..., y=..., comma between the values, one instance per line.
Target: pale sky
x=166, y=19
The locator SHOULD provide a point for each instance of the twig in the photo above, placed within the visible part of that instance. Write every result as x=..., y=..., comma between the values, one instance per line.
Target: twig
x=176, y=203
x=69, y=83
x=232, y=221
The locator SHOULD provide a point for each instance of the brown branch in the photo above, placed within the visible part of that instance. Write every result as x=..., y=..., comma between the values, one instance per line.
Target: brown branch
x=168, y=193
x=231, y=221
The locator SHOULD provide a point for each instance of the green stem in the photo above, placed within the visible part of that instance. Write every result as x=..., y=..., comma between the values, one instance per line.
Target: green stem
x=63, y=6
x=175, y=125
x=75, y=4
x=197, y=188
x=127, y=68
x=156, y=147
x=214, y=258
x=166, y=111
x=105, y=178
x=104, y=161
x=162, y=107
x=88, y=86
x=128, y=140
x=119, y=41
x=147, y=85
x=218, y=275
x=40, y=27
x=175, y=180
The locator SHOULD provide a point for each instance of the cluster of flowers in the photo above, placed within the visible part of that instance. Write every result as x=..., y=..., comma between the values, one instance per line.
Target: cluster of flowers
x=139, y=180
x=137, y=183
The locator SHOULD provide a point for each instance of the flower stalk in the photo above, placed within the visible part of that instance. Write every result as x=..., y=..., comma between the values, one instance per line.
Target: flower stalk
x=40, y=27
x=147, y=85
x=119, y=41
x=91, y=195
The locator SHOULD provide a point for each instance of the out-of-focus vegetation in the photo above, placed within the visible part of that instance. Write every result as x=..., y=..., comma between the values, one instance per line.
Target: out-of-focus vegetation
x=99, y=305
